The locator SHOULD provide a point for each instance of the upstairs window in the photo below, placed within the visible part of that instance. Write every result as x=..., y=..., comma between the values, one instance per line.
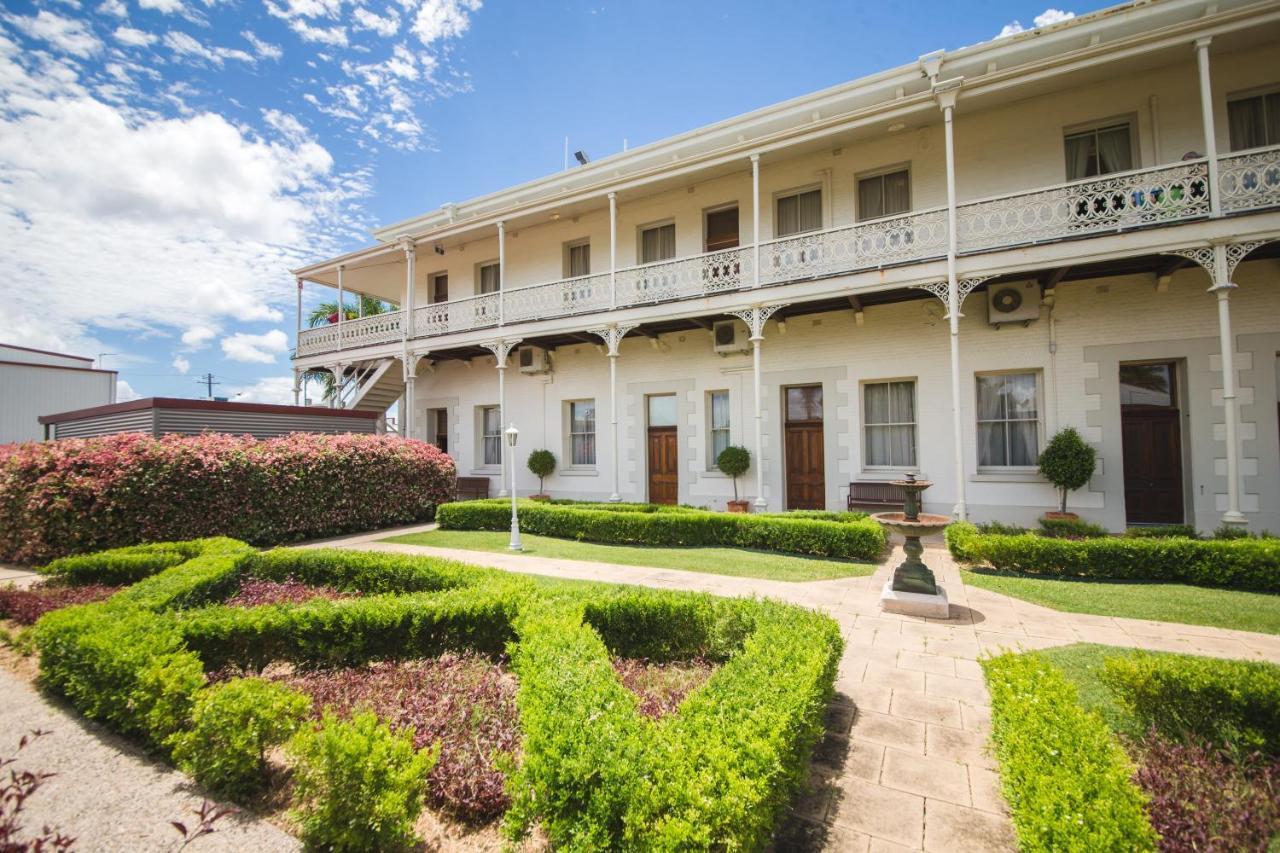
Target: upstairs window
x=885, y=194
x=1254, y=121
x=722, y=229
x=490, y=277
x=1099, y=150
x=577, y=259
x=798, y=213
x=658, y=243
x=440, y=287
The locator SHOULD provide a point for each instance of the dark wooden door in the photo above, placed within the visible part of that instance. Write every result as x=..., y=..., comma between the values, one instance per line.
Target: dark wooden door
x=664, y=482
x=805, y=456
x=1151, y=436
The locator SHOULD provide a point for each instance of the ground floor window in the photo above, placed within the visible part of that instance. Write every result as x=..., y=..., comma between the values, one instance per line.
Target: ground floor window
x=717, y=425
x=438, y=428
x=1008, y=420
x=582, y=432
x=491, y=429
x=889, y=423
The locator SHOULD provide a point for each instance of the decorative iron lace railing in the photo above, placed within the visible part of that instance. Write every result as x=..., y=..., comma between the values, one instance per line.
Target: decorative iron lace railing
x=866, y=245
x=562, y=298
x=1111, y=203
x=456, y=315
x=683, y=278
x=1250, y=179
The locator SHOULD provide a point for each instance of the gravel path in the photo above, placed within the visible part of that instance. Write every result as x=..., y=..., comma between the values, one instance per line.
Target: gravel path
x=107, y=793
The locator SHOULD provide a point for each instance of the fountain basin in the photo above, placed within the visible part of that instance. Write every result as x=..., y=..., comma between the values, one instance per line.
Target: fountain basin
x=924, y=524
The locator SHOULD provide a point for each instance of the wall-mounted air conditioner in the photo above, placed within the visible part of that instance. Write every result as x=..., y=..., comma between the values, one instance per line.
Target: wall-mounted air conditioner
x=1013, y=302
x=727, y=337
x=533, y=360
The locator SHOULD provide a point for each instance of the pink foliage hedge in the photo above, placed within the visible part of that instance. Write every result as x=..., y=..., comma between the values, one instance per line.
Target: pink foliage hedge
x=78, y=495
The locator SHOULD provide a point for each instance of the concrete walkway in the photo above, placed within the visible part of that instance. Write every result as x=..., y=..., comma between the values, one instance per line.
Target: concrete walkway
x=905, y=763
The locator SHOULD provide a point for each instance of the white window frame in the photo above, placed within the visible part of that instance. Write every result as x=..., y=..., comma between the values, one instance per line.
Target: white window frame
x=712, y=429
x=707, y=211
x=480, y=276
x=1040, y=437
x=568, y=254
x=569, y=435
x=794, y=191
x=482, y=438
x=1135, y=149
x=880, y=173
x=914, y=424
x=1244, y=95
x=649, y=226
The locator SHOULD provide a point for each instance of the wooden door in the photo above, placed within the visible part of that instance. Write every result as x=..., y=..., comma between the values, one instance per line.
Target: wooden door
x=664, y=477
x=804, y=447
x=1151, y=436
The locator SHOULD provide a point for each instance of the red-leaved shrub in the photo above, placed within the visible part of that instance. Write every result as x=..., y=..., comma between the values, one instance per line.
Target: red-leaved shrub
x=75, y=495
x=661, y=687
x=25, y=606
x=254, y=592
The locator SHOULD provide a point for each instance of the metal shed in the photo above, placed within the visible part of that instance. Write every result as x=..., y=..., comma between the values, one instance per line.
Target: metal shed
x=164, y=415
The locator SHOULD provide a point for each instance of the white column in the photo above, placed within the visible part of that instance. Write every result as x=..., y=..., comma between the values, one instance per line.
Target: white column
x=342, y=312
x=297, y=344
x=410, y=373
x=613, y=261
x=614, y=496
x=502, y=414
x=755, y=222
x=1206, y=114
x=502, y=288
x=756, y=340
x=947, y=100
x=406, y=331
x=1222, y=287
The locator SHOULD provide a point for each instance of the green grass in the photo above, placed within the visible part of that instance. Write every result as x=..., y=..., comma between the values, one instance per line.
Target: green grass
x=717, y=561
x=1082, y=664
x=1163, y=602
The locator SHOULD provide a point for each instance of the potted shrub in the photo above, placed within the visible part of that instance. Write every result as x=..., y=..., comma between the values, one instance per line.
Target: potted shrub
x=734, y=461
x=541, y=464
x=1068, y=463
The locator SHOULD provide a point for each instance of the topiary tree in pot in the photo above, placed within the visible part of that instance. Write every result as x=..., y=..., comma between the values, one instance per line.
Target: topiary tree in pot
x=541, y=464
x=734, y=462
x=1068, y=463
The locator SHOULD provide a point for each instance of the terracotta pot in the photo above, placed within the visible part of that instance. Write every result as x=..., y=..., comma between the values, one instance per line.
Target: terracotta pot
x=739, y=506
x=1061, y=516
x=539, y=497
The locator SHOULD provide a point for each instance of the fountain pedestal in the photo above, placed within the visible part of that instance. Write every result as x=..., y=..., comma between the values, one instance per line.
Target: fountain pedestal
x=913, y=590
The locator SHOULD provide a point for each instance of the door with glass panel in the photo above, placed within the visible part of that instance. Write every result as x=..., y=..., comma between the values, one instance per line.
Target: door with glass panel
x=663, y=462
x=804, y=448
x=1151, y=435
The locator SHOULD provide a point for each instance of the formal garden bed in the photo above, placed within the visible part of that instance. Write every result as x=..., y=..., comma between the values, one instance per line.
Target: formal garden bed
x=1103, y=748
x=339, y=691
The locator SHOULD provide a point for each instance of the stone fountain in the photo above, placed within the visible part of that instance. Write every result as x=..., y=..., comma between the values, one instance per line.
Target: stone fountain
x=913, y=590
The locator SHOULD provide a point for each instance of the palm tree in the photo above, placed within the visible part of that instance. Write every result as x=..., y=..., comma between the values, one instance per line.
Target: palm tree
x=327, y=312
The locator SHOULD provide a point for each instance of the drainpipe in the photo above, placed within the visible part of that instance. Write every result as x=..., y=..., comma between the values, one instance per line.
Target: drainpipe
x=1206, y=114
x=947, y=93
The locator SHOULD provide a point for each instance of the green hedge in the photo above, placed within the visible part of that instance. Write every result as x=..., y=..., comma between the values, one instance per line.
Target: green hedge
x=1068, y=782
x=1230, y=703
x=860, y=539
x=1238, y=563
x=593, y=773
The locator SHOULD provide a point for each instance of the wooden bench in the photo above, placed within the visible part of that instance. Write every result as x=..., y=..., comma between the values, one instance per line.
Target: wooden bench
x=876, y=495
x=472, y=488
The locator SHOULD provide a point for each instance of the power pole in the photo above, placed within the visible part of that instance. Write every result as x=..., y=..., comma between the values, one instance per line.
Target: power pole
x=208, y=381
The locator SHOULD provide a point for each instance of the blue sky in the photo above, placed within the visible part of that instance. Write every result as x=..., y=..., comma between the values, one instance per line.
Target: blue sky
x=163, y=163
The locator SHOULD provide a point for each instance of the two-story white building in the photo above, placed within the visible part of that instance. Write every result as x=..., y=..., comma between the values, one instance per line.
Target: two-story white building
x=933, y=268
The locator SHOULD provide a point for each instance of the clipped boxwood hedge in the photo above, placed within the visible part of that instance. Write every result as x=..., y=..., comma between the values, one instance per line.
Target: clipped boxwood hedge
x=1067, y=780
x=592, y=771
x=1237, y=563
x=635, y=524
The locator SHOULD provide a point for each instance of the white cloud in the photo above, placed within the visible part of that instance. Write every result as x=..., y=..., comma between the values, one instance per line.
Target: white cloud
x=184, y=45
x=135, y=38
x=181, y=364
x=264, y=50
x=1046, y=18
x=166, y=7
x=113, y=7
x=384, y=25
x=443, y=19
x=198, y=337
x=335, y=36
x=66, y=34
x=1010, y=29
x=272, y=389
x=125, y=392
x=261, y=349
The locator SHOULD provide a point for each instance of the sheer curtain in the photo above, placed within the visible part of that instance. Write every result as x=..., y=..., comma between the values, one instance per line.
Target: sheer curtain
x=890, y=419
x=1008, y=420
x=810, y=215
x=876, y=415
x=1244, y=119
x=658, y=244
x=582, y=429
x=1115, y=153
x=492, y=436
x=897, y=193
x=870, y=198
x=902, y=399
x=1078, y=156
x=799, y=213
x=719, y=424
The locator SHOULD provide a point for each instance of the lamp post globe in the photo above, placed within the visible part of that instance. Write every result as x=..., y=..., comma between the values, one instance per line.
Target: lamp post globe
x=513, y=435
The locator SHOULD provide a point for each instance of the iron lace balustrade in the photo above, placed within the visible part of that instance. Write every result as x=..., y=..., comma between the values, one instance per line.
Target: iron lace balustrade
x=1249, y=180
x=849, y=248
x=685, y=278
x=564, y=298
x=456, y=315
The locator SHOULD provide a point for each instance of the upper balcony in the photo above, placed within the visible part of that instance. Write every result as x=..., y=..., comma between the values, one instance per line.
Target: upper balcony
x=1143, y=198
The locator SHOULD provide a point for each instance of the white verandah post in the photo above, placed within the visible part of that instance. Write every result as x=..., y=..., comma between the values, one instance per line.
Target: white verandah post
x=297, y=346
x=947, y=100
x=755, y=220
x=1206, y=115
x=1222, y=287
x=613, y=258
x=406, y=333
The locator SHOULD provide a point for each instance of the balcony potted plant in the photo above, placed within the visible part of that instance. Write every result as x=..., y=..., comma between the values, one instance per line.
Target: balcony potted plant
x=541, y=464
x=734, y=462
x=1068, y=463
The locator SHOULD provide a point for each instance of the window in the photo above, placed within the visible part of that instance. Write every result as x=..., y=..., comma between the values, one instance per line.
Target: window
x=889, y=424
x=439, y=287
x=722, y=229
x=490, y=277
x=1099, y=151
x=577, y=259
x=1254, y=121
x=491, y=432
x=804, y=403
x=798, y=213
x=1008, y=420
x=658, y=243
x=438, y=428
x=886, y=194
x=582, y=432
x=717, y=425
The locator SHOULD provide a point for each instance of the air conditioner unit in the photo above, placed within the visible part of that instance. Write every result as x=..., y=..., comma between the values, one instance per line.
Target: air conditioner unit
x=533, y=360
x=1013, y=302
x=727, y=337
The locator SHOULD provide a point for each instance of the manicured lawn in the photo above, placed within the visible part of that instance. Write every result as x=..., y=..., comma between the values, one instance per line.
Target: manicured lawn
x=1164, y=602
x=717, y=561
x=1082, y=664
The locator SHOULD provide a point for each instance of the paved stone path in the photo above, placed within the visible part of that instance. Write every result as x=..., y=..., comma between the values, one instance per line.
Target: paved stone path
x=905, y=763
